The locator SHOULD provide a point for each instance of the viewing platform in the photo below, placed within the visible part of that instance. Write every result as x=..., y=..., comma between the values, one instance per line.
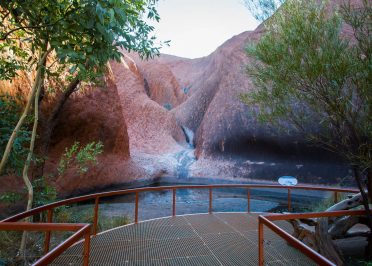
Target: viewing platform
x=200, y=239
x=210, y=238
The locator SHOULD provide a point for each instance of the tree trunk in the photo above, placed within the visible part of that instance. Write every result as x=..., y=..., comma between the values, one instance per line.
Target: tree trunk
x=368, y=251
x=321, y=237
x=369, y=183
x=21, y=120
x=324, y=242
x=364, y=195
x=30, y=191
x=50, y=124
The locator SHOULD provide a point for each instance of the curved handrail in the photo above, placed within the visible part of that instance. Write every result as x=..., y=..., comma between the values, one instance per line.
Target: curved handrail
x=96, y=196
x=53, y=205
x=81, y=231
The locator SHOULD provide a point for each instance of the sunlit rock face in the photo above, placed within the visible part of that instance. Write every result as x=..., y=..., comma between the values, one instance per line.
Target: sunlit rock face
x=151, y=127
x=213, y=110
x=160, y=84
x=140, y=112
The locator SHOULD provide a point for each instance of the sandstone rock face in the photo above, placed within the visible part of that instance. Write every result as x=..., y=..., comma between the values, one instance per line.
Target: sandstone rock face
x=213, y=110
x=160, y=84
x=151, y=128
x=93, y=115
x=140, y=113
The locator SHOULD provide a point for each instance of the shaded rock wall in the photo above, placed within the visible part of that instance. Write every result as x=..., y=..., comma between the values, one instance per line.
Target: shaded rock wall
x=93, y=115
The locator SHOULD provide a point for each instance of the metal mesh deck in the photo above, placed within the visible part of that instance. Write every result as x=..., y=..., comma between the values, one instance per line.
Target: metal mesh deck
x=201, y=239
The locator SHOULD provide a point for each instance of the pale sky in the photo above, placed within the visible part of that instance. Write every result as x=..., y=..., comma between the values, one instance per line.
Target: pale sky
x=197, y=27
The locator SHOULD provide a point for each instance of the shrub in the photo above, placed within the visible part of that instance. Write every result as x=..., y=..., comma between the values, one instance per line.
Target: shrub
x=82, y=157
x=9, y=114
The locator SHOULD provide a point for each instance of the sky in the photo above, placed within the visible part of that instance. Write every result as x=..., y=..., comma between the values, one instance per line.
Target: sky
x=197, y=27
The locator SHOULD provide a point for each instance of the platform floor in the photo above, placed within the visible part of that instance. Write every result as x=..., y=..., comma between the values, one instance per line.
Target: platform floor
x=200, y=239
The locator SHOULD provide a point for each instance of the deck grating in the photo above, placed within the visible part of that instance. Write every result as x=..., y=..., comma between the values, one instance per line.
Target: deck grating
x=201, y=239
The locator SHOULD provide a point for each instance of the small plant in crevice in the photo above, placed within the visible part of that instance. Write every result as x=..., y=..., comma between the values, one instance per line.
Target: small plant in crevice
x=186, y=90
x=168, y=106
x=80, y=156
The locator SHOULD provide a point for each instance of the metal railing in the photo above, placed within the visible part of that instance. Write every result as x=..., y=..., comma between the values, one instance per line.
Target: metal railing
x=81, y=231
x=267, y=220
x=49, y=208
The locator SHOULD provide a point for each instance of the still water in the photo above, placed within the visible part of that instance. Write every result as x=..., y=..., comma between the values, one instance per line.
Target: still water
x=157, y=204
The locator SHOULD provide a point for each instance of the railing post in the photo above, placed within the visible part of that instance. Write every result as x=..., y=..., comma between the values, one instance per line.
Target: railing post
x=260, y=243
x=210, y=200
x=136, y=209
x=174, y=202
x=86, y=248
x=336, y=197
x=48, y=233
x=289, y=199
x=95, y=218
x=249, y=200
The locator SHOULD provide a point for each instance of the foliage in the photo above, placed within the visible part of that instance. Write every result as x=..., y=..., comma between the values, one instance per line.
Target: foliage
x=263, y=9
x=311, y=80
x=81, y=157
x=83, y=34
x=106, y=223
x=324, y=204
x=70, y=41
x=70, y=214
x=44, y=193
x=84, y=214
x=12, y=59
x=9, y=113
x=9, y=247
x=10, y=197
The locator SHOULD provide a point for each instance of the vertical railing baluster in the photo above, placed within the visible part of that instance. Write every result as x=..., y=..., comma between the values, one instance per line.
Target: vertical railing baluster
x=260, y=243
x=336, y=197
x=249, y=200
x=95, y=217
x=86, y=248
x=289, y=199
x=210, y=200
x=136, y=209
x=174, y=202
x=48, y=233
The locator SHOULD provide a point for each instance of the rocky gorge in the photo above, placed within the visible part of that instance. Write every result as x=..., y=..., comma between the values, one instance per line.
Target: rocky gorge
x=179, y=117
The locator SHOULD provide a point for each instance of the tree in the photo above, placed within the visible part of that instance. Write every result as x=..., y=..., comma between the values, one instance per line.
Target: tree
x=311, y=79
x=72, y=39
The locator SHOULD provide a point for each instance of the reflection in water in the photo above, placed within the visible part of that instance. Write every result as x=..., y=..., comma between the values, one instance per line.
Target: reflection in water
x=188, y=201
